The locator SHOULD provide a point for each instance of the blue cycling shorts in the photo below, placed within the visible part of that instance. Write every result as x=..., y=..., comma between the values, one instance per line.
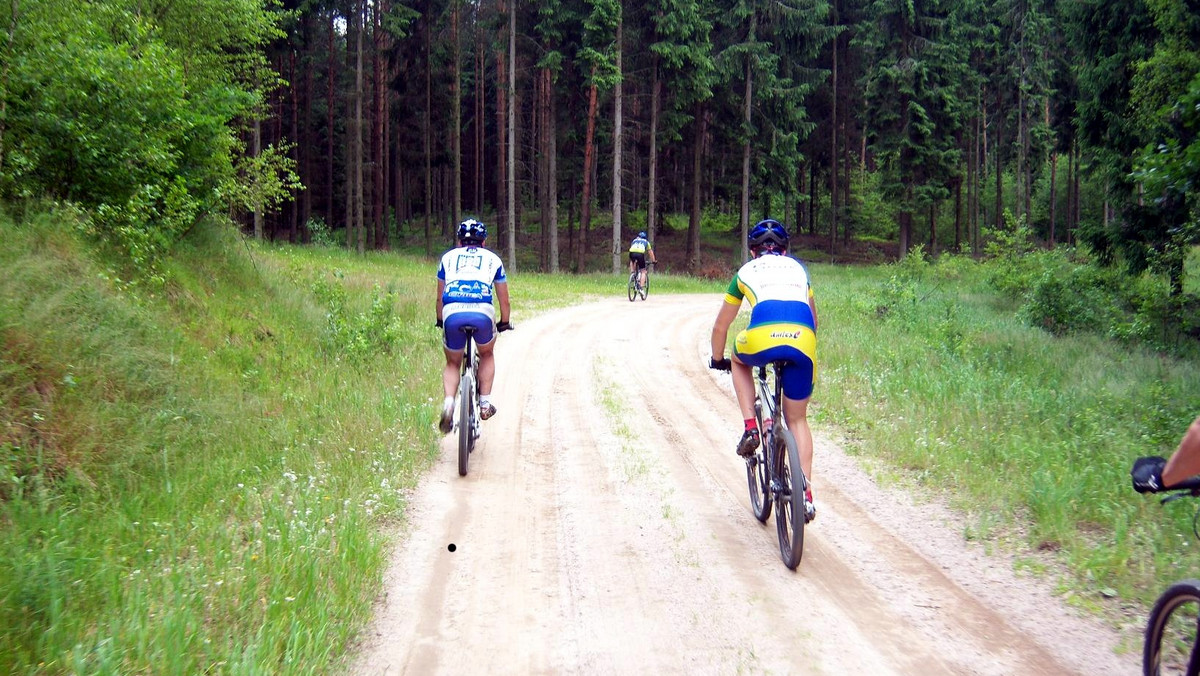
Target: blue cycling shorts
x=456, y=338
x=795, y=344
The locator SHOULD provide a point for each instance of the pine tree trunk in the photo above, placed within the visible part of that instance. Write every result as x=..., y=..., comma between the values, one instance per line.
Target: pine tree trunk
x=501, y=132
x=693, y=237
x=512, y=137
x=378, y=187
x=552, y=172
x=1071, y=190
x=428, y=131
x=589, y=151
x=747, y=100
x=978, y=164
x=1019, y=174
x=970, y=159
x=652, y=189
x=331, y=105
x=306, y=143
x=541, y=100
x=801, y=189
x=616, y=173
x=358, y=125
x=456, y=114
x=957, y=216
x=847, y=165
x=932, y=230
x=479, y=125
x=293, y=204
x=833, y=155
x=812, y=198
x=1053, y=181
x=999, y=173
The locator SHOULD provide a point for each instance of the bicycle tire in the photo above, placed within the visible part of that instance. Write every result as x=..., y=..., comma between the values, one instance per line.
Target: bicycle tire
x=1172, y=600
x=646, y=288
x=789, y=500
x=758, y=476
x=466, y=395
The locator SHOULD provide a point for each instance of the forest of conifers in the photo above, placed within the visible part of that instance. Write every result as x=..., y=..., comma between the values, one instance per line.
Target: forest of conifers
x=921, y=122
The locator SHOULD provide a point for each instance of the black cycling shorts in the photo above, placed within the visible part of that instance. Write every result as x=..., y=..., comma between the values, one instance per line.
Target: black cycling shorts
x=639, y=259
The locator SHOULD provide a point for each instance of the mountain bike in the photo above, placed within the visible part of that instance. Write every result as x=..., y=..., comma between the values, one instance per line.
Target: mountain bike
x=1172, y=644
x=773, y=473
x=636, y=289
x=467, y=421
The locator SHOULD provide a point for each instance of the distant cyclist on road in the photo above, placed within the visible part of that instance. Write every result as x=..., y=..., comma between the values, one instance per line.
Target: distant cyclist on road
x=638, y=250
x=783, y=326
x=466, y=278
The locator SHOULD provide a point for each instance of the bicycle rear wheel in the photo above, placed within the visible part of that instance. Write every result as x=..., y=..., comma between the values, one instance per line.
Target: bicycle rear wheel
x=1172, y=632
x=466, y=416
x=646, y=288
x=789, y=497
x=758, y=476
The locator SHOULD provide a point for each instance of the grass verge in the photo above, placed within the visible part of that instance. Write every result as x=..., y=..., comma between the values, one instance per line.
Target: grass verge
x=194, y=477
x=936, y=382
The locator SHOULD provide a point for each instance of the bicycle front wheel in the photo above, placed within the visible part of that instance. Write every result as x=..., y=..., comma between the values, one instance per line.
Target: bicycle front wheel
x=646, y=288
x=1172, y=632
x=758, y=476
x=466, y=417
x=789, y=497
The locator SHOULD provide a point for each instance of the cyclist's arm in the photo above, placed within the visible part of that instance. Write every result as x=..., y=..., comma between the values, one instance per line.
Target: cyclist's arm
x=1185, y=461
x=650, y=250
x=502, y=296
x=720, y=332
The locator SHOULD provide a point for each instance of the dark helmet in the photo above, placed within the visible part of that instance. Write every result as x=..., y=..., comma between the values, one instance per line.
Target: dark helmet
x=641, y=235
x=472, y=230
x=769, y=234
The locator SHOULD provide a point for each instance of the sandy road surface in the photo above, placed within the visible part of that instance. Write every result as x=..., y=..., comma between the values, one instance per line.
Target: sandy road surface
x=605, y=528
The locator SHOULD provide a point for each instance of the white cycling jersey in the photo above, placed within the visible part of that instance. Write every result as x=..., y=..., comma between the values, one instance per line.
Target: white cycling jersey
x=470, y=273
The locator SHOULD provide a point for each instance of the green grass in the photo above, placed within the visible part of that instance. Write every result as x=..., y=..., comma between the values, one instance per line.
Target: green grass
x=197, y=477
x=1031, y=435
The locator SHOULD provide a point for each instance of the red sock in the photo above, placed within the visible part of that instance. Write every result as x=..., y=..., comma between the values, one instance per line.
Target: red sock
x=751, y=424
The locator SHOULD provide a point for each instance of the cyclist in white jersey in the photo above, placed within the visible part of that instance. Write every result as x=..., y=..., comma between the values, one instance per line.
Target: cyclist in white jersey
x=783, y=327
x=467, y=277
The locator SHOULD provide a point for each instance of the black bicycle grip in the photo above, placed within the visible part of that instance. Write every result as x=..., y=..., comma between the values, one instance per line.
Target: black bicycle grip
x=720, y=364
x=504, y=326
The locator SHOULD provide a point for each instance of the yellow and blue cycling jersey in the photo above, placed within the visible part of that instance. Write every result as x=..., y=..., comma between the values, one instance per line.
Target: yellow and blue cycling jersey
x=782, y=326
x=639, y=245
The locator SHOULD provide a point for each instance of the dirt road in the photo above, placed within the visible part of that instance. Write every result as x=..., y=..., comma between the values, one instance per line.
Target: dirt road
x=605, y=528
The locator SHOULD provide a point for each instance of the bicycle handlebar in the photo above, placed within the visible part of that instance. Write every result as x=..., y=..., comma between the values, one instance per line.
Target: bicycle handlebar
x=1188, y=488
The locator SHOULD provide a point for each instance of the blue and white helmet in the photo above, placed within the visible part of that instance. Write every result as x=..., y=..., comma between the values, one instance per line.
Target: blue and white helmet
x=472, y=230
x=769, y=235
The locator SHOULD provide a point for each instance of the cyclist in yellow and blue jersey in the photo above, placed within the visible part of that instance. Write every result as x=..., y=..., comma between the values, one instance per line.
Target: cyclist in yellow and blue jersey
x=638, y=250
x=783, y=327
